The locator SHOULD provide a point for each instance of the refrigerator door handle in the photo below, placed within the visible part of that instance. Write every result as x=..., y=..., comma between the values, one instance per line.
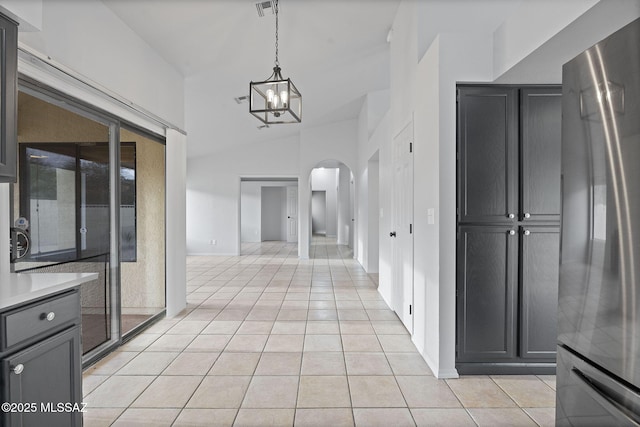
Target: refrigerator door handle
x=625, y=415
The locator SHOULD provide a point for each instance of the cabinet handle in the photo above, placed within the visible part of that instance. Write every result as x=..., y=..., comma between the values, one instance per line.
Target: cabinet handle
x=392, y=234
x=512, y=232
x=527, y=232
x=18, y=369
x=48, y=316
x=527, y=215
x=511, y=216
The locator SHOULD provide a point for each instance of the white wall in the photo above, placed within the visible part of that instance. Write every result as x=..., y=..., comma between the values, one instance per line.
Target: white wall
x=89, y=38
x=344, y=226
x=532, y=25
x=250, y=212
x=373, y=132
x=213, y=190
x=27, y=13
x=326, y=179
x=213, y=182
x=373, y=215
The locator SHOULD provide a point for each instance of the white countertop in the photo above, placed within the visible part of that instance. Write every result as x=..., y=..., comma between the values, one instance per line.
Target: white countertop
x=19, y=288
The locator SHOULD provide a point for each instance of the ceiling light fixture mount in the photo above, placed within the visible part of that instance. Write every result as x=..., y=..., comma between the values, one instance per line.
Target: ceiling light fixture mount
x=275, y=100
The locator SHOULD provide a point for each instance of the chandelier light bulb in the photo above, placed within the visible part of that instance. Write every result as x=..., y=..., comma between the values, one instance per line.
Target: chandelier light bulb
x=284, y=98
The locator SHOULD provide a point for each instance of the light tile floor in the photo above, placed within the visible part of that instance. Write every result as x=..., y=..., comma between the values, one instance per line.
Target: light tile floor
x=268, y=339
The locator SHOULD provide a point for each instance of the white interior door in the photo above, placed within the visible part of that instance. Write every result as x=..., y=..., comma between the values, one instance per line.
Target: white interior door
x=292, y=214
x=402, y=235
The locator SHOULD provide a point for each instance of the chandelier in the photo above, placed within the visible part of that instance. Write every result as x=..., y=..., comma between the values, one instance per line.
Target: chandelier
x=275, y=100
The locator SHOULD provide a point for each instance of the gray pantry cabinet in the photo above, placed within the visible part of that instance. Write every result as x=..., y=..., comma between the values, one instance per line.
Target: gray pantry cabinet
x=41, y=362
x=508, y=215
x=8, y=99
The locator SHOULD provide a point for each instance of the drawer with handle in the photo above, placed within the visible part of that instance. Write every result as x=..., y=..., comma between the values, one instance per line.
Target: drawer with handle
x=33, y=320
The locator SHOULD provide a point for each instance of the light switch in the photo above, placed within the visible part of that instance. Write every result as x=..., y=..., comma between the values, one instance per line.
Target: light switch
x=431, y=216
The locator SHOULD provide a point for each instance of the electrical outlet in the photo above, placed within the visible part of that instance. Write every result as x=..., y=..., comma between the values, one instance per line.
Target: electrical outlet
x=212, y=242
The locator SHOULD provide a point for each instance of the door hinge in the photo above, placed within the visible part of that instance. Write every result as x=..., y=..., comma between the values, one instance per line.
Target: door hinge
x=410, y=308
x=411, y=147
x=410, y=228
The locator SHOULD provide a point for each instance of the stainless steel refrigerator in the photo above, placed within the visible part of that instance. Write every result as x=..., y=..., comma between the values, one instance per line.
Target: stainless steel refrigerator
x=598, y=373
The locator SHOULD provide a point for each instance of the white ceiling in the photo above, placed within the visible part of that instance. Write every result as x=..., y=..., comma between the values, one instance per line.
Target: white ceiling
x=335, y=51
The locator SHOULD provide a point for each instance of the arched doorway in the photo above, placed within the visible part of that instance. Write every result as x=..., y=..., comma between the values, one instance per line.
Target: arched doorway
x=332, y=203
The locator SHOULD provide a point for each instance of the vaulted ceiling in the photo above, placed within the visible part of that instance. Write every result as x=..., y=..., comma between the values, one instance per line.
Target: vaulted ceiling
x=335, y=51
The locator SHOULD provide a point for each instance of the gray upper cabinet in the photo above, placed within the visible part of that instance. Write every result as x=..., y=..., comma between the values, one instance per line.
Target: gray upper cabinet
x=540, y=120
x=487, y=129
x=8, y=99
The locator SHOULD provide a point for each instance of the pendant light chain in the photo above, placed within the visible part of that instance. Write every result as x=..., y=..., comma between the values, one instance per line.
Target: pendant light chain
x=275, y=100
x=277, y=63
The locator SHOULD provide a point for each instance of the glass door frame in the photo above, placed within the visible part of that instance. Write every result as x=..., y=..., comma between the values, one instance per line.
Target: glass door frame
x=59, y=99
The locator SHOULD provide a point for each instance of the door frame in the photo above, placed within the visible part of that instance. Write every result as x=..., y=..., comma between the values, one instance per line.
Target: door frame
x=401, y=292
x=287, y=180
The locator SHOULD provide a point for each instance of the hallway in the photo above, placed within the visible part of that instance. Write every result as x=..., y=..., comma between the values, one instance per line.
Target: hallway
x=268, y=339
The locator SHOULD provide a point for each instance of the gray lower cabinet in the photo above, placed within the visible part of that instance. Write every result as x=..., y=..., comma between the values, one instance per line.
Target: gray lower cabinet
x=41, y=363
x=507, y=299
x=539, y=272
x=487, y=293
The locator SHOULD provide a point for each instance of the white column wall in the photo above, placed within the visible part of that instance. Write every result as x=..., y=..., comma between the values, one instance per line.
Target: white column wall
x=373, y=132
x=426, y=89
x=176, y=222
x=250, y=212
x=344, y=205
x=373, y=220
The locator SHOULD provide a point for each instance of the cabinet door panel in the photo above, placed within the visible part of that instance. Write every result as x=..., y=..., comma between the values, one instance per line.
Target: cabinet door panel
x=541, y=116
x=539, y=291
x=8, y=99
x=487, y=150
x=51, y=374
x=487, y=278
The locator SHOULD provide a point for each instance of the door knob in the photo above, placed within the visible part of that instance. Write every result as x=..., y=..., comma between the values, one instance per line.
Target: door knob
x=18, y=369
x=527, y=232
x=511, y=216
x=527, y=215
x=289, y=217
x=392, y=234
x=512, y=232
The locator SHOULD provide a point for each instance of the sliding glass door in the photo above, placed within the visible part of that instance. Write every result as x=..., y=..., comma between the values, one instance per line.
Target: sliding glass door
x=91, y=197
